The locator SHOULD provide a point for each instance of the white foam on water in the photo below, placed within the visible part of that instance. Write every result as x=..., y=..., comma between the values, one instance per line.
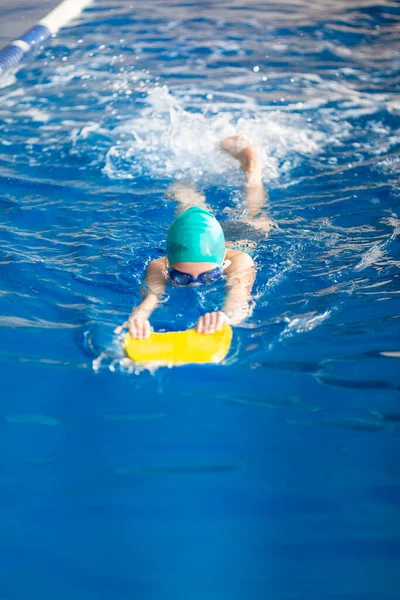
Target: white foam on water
x=389, y=165
x=35, y=114
x=371, y=257
x=304, y=323
x=109, y=361
x=7, y=79
x=166, y=140
x=378, y=252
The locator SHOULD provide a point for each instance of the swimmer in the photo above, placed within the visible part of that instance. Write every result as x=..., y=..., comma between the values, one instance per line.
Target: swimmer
x=197, y=253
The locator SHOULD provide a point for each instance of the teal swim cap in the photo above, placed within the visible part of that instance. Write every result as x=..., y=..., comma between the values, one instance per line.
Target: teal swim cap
x=196, y=236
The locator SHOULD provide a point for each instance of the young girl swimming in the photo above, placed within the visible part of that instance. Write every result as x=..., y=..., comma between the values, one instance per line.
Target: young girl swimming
x=197, y=253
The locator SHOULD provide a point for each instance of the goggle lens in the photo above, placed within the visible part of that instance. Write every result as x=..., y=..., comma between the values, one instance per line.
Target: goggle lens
x=211, y=276
x=180, y=278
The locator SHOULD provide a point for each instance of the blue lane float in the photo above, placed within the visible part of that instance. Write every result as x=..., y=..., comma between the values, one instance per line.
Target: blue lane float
x=13, y=53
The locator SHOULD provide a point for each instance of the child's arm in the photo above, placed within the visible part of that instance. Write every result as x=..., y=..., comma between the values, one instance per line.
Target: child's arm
x=154, y=284
x=241, y=275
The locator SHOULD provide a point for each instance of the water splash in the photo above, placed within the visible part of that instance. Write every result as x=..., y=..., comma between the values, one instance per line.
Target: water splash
x=168, y=140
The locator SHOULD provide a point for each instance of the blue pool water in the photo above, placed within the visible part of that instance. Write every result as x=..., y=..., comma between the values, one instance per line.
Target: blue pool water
x=276, y=474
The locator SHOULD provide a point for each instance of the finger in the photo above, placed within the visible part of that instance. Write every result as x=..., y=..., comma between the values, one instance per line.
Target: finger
x=140, y=328
x=133, y=329
x=220, y=321
x=208, y=323
x=213, y=322
x=147, y=329
x=207, y=319
x=120, y=328
x=137, y=328
x=200, y=323
x=145, y=326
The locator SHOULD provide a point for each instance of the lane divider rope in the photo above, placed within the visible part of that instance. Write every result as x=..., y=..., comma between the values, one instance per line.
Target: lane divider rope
x=12, y=54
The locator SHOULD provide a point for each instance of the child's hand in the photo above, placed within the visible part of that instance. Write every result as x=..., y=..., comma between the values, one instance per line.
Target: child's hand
x=211, y=322
x=138, y=326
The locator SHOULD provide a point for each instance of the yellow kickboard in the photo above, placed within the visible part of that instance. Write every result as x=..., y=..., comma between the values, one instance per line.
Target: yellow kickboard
x=180, y=347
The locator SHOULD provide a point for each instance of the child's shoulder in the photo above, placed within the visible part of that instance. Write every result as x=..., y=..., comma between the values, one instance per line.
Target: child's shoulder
x=156, y=266
x=234, y=253
x=158, y=261
x=239, y=257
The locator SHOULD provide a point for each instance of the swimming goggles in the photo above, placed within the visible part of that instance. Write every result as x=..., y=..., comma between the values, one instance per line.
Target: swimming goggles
x=185, y=278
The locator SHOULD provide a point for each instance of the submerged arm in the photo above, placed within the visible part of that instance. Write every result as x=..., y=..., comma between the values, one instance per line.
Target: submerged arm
x=154, y=288
x=241, y=275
